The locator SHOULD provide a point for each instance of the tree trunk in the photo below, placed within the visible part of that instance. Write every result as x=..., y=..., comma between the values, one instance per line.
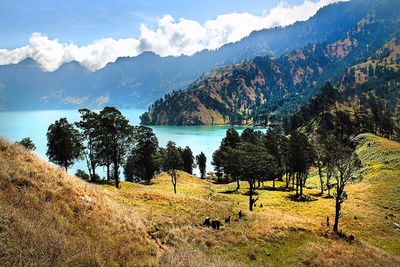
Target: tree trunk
x=297, y=184
x=301, y=184
x=328, y=183
x=337, y=214
x=173, y=176
x=237, y=183
x=116, y=174
x=108, y=171
x=273, y=183
x=287, y=180
x=321, y=178
x=93, y=173
x=251, y=192
x=89, y=166
x=293, y=174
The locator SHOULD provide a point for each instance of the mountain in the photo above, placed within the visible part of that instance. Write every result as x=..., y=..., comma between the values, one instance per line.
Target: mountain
x=138, y=81
x=265, y=90
x=366, y=99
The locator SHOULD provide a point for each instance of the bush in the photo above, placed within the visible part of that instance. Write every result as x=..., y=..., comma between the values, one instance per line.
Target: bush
x=82, y=174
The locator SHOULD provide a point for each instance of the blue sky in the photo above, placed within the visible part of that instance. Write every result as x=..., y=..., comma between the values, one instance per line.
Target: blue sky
x=94, y=33
x=83, y=21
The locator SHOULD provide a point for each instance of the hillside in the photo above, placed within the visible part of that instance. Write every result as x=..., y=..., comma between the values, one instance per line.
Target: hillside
x=50, y=218
x=265, y=90
x=138, y=81
x=366, y=98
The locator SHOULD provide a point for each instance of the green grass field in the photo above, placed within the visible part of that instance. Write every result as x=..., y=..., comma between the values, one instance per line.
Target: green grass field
x=149, y=225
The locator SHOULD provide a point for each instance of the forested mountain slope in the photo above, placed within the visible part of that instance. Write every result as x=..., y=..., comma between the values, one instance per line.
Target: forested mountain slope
x=266, y=89
x=366, y=99
x=137, y=81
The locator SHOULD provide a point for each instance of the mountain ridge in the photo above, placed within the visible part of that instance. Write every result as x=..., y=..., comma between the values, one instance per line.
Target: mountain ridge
x=135, y=82
x=238, y=94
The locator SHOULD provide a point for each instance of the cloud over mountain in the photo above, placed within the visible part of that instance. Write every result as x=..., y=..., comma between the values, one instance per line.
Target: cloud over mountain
x=170, y=37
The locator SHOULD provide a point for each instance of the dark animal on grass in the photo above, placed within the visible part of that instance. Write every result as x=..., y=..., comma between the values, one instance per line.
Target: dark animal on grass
x=241, y=214
x=207, y=222
x=215, y=224
x=228, y=219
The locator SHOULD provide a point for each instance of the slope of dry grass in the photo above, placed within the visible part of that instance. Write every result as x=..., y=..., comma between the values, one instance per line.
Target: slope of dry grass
x=50, y=218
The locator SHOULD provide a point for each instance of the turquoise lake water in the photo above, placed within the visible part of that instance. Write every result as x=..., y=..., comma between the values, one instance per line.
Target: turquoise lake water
x=15, y=125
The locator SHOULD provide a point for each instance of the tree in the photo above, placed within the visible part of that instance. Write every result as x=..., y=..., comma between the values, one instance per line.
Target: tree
x=64, y=145
x=27, y=143
x=301, y=157
x=171, y=161
x=387, y=125
x=188, y=160
x=320, y=159
x=231, y=139
x=117, y=137
x=344, y=125
x=201, y=161
x=82, y=174
x=254, y=163
x=142, y=164
x=363, y=121
x=273, y=142
x=223, y=160
x=90, y=126
x=347, y=165
x=330, y=147
x=217, y=162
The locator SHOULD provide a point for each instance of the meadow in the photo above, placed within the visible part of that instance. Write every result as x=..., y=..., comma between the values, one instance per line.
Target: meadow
x=49, y=217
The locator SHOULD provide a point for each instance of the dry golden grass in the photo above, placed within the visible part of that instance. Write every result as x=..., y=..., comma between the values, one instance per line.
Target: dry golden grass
x=51, y=218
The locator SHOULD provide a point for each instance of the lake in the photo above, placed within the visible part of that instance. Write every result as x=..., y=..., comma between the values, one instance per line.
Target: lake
x=15, y=125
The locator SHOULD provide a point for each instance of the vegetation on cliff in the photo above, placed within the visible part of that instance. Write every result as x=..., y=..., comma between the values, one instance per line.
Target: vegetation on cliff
x=265, y=90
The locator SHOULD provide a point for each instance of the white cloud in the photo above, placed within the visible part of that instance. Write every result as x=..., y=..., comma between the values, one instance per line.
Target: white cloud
x=59, y=95
x=78, y=101
x=170, y=37
x=102, y=100
x=51, y=54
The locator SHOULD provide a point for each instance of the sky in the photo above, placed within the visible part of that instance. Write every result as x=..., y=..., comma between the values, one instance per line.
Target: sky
x=95, y=32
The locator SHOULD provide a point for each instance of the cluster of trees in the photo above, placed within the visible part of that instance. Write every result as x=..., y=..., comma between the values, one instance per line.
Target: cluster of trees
x=27, y=143
x=102, y=139
x=256, y=157
x=350, y=113
x=106, y=139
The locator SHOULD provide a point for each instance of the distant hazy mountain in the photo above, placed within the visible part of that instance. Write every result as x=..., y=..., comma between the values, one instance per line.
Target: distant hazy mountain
x=136, y=82
x=265, y=89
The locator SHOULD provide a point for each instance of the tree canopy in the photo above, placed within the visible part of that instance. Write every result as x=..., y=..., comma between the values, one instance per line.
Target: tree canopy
x=64, y=145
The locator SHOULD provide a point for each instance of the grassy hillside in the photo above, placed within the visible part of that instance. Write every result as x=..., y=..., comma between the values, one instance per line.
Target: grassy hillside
x=50, y=218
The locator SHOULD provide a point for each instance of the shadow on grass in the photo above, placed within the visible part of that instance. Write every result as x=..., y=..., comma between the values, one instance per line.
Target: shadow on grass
x=316, y=194
x=218, y=182
x=303, y=198
x=280, y=188
x=230, y=191
x=247, y=193
x=105, y=182
x=147, y=183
